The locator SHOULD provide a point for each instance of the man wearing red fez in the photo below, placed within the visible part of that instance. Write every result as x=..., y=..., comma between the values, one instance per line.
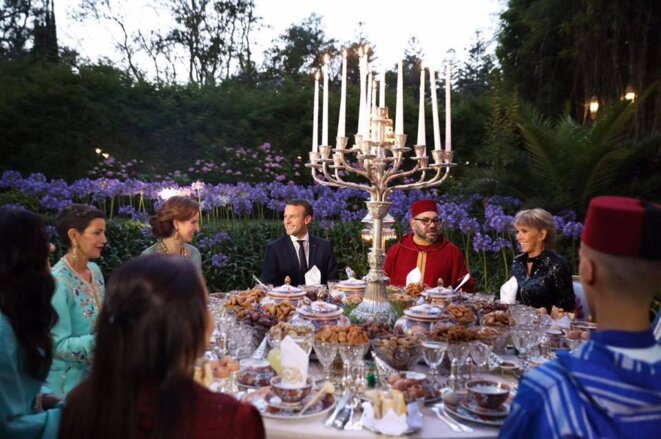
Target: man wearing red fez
x=428, y=250
x=610, y=386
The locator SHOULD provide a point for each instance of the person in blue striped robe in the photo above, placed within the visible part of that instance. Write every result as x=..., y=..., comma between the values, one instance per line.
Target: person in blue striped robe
x=610, y=387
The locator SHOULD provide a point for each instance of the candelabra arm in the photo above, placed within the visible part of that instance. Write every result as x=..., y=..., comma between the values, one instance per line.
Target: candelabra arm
x=393, y=175
x=331, y=181
x=433, y=182
x=353, y=169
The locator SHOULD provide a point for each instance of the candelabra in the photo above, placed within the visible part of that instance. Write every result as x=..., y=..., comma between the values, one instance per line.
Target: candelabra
x=378, y=157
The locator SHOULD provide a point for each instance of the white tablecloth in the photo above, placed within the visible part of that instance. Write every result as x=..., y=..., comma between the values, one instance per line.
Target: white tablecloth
x=432, y=426
x=313, y=428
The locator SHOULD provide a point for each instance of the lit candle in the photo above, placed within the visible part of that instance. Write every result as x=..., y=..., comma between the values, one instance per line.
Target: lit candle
x=343, y=98
x=434, y=109
x=448, y=117
x=324, y=121
x=361, y=111
x=399, y=110
x=421, y=108
x=315, y=117
x=382, y=89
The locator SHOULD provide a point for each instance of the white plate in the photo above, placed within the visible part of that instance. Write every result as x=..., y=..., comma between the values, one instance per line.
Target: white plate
x=258, y=399
x=462, y=413
x=471, y=406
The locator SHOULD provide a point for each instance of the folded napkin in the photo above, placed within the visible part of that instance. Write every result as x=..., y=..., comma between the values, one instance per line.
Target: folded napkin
x=562, y=323
x=508, y=291
x=414, y=277
x=392, y=424
x=313, y=276
x=294, y=362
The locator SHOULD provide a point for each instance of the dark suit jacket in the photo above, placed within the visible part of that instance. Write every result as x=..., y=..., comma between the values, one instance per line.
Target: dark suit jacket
x=281, y=260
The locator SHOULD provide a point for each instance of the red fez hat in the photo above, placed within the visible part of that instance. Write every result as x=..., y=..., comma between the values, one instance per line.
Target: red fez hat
x=421, y=206
x=623, y=227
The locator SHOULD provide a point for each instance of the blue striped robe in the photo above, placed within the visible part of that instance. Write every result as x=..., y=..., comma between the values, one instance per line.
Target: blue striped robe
x=593, y=393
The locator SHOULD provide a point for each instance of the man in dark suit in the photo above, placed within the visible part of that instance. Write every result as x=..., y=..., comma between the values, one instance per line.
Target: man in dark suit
x=293, y=255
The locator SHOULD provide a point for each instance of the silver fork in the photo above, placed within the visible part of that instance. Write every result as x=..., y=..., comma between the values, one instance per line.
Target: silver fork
x=454, y=425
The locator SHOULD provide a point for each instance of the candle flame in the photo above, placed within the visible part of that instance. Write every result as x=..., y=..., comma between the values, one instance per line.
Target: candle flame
x=344, y=53
x=360, y=52
x=316, y=76
x=326, y=59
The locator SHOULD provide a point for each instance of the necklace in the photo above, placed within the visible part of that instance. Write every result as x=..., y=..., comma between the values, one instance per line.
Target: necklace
x=164, y=247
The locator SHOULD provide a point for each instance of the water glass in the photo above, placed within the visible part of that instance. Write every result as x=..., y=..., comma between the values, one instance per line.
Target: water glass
x=326, y=353
x=352, y=355
x=479, y=352
x=522, y=314
x=458, y=352
x=433, y=352
x=524, y=337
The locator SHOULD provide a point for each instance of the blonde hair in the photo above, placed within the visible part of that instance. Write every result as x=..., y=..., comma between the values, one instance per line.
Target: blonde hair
x=539, y=219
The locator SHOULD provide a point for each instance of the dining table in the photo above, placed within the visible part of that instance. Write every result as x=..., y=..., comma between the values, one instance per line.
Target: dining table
x=432, y=425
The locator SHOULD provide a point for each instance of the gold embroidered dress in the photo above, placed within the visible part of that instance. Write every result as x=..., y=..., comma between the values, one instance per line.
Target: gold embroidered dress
x=77, y=303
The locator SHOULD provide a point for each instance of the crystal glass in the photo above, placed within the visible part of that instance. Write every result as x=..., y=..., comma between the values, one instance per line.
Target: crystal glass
x=240, y=341
x=433, y=352
x=458, y=352
x=326, y=353
x=524, y=337
x=522, y=314
x=225, y=323
x=352, y=356
x=479, y=352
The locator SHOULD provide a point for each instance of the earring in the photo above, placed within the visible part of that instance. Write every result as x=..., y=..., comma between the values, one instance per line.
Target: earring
x=74, y=255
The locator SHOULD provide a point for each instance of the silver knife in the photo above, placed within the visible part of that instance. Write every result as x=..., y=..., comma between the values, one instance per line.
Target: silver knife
x=340, y=405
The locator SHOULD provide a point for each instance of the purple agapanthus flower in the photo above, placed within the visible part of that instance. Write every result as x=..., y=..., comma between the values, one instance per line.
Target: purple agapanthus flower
x=219, y=260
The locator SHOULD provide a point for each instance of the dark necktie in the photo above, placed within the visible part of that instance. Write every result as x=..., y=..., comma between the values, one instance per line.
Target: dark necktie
x=301, y=259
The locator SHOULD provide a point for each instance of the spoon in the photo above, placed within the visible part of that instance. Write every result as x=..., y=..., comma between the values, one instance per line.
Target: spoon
x=463, y=281
x=326, y=388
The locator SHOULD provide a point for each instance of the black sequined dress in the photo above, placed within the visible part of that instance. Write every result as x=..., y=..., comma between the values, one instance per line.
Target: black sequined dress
x=548, y=284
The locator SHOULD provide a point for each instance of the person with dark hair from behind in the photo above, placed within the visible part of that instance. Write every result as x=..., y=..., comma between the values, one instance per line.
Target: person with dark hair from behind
x=610, y=387
x=153, y=326
x=26, y=318
x=296, y=253
x=175, y=224
x=78, y=296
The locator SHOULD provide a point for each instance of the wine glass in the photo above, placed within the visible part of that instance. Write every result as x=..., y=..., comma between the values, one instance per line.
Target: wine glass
x=352, y=355
x=524, y=337
x=433, y=352
x=326, y=353
x=522, y=314
x=457, y=353
x=479, y=352
x=240, y=344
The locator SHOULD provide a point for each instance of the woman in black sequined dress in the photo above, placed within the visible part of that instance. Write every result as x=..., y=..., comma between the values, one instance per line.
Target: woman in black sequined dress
x=543, y=277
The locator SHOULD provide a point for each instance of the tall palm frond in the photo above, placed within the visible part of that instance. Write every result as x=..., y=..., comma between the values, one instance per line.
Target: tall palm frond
x=569, y=162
